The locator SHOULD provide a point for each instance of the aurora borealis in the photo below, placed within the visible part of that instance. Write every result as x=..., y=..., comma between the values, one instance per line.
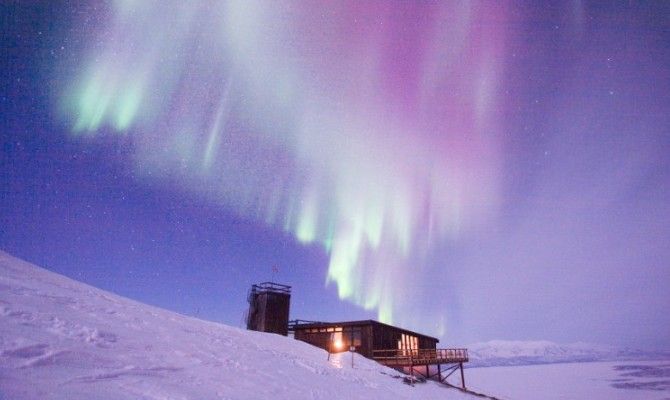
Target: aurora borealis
x=471, y=170
x=375, y=145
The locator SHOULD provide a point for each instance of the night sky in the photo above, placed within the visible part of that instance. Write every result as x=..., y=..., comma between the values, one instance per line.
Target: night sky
x=472, y=171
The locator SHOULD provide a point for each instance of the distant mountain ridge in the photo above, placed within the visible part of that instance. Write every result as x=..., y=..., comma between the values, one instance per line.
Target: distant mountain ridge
x=514, y=352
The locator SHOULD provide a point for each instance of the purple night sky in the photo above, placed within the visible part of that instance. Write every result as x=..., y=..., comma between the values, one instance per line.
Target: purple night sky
x=473, y=171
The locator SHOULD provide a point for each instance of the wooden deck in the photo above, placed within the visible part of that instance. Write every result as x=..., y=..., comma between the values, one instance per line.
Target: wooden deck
x=398, y=358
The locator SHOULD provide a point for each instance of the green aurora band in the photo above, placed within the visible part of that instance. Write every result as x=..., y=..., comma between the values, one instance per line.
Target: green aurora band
x=327, y=131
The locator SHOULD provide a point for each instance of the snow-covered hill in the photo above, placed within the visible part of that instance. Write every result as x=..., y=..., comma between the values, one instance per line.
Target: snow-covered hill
x=61, y=339
x=509, y=352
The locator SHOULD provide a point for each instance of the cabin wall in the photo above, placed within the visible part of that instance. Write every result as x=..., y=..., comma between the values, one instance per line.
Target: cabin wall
x=388, y=338
x=427, y=343
x=365, y=338
x=358, y=336
x=367, y=344
x=321, y=340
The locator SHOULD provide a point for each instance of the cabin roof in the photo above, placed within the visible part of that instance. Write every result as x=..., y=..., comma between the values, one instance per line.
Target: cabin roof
x=320, y=324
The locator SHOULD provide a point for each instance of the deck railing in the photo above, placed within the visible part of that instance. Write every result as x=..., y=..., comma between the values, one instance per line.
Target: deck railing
x=271, y=287
x=420, y=356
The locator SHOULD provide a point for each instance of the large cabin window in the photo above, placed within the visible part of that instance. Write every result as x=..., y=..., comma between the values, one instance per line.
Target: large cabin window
x=407, y=342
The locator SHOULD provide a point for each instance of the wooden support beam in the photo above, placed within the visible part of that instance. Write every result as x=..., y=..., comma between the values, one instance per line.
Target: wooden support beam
x=462, y=377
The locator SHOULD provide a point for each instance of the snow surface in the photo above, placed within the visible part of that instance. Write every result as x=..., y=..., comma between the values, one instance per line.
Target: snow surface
x=61, y=339
x=627, y=380
x=512, y=352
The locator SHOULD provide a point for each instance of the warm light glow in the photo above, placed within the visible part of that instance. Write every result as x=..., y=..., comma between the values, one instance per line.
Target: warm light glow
x=338, y=344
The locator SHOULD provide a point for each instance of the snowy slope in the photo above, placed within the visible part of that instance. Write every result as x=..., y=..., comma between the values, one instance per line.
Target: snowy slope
x=510, y=352
x=61, y=339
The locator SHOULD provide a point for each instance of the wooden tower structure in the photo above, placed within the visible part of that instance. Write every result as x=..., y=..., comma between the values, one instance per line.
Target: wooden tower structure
x=269, y=305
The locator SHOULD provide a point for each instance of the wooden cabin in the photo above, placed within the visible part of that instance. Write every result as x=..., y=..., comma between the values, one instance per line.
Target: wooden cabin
x=389, y=345
x=364, y=336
